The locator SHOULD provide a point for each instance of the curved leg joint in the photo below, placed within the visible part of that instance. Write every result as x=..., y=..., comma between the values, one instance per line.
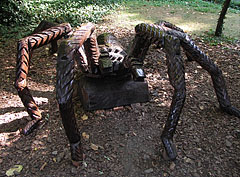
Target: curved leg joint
x=64, y=89
x=76, y=153
x=170, y=150
x=231, y=110
x=177, y=79
x=194, y=53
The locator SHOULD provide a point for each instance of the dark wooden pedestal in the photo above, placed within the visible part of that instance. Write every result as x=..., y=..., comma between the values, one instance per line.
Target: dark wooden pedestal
x=107, y=93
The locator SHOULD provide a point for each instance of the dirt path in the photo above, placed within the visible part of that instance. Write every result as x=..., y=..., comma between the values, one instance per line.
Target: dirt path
x=125, y=141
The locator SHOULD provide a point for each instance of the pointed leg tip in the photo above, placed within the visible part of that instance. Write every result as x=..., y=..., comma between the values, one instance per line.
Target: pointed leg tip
x=76, y=163
x=30, y=127
x=170, y=150
x=76, y=153
x=231, y=110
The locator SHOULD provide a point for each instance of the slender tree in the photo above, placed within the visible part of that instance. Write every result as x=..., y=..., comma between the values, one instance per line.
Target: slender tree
x=219, y=28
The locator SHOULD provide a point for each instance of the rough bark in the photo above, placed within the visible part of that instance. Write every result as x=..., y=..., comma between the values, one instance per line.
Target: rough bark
x=219, y=27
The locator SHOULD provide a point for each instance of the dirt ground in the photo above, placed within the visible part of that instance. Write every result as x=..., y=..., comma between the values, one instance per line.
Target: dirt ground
x=124, y=141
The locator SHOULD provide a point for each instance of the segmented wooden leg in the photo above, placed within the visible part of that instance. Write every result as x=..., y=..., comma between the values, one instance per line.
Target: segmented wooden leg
x=92, y=52
x=68, y=51
x=216, y=74
x=137, y=53
x=81, y=59
x=25, y=47
x=140, y=46
x=168, y=25
x=44, y=25
x=32, y=110
x=177, y=79
x=64, y=89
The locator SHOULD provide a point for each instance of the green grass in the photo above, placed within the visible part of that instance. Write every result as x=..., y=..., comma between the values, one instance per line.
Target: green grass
x=209, y=37
x=198, y=5
x=188, y=17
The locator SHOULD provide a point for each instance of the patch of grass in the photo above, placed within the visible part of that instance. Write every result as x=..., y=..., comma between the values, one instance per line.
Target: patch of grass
x=188, y=18
x=209, y=37
x=198, y=5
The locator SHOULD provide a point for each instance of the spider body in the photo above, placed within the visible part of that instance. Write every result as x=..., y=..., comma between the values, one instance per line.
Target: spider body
x=104, y=57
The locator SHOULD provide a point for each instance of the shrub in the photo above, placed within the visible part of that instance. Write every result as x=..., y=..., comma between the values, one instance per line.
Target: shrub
x=25, y=14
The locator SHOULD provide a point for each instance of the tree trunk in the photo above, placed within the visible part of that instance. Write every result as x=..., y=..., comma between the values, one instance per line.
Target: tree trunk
x=219, y=28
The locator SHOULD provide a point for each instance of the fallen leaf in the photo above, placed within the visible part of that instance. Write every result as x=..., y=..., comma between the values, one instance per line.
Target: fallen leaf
x=42, y=167
x=84, y=117
x=118, y=108
x=16, y=169
x=106, y=157
x=54, y=160
x=172, y=166
x=85, y=135
x=94, y=147
x=85, y=164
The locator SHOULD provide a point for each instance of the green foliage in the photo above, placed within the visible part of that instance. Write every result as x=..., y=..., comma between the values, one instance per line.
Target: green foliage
x=16, y=15
x=72, y=11
x=234, y=3
x=12, y=12
x=24, y=15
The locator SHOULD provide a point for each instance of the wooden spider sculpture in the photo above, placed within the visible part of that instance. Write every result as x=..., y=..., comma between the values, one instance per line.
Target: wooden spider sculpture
x=104, y=57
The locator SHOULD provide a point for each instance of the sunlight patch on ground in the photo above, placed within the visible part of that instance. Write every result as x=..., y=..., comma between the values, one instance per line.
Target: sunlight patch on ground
x=6, y=139
x=190, y=20
x=9, y=117
x=9, y=99
x=130, y=20
x=36, y=86
x=127, y=20
x=40, y=100
x=191, y=26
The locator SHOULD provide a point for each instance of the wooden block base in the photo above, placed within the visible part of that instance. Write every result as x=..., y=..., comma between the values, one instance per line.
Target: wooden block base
x=105, y=93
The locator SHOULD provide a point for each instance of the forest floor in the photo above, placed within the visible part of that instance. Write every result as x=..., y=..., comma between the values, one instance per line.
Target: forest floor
x=124, y=141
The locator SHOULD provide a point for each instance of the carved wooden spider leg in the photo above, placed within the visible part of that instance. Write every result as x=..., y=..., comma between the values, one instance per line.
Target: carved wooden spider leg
x=176, y=73
x=216, y=74
x=44, y=25
x=64, y=89
x=193, y=53
x=70, y=50
x=175, y=31
x=177, y=80
x=25, y=47
x=137, y=53
x=92, y=52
